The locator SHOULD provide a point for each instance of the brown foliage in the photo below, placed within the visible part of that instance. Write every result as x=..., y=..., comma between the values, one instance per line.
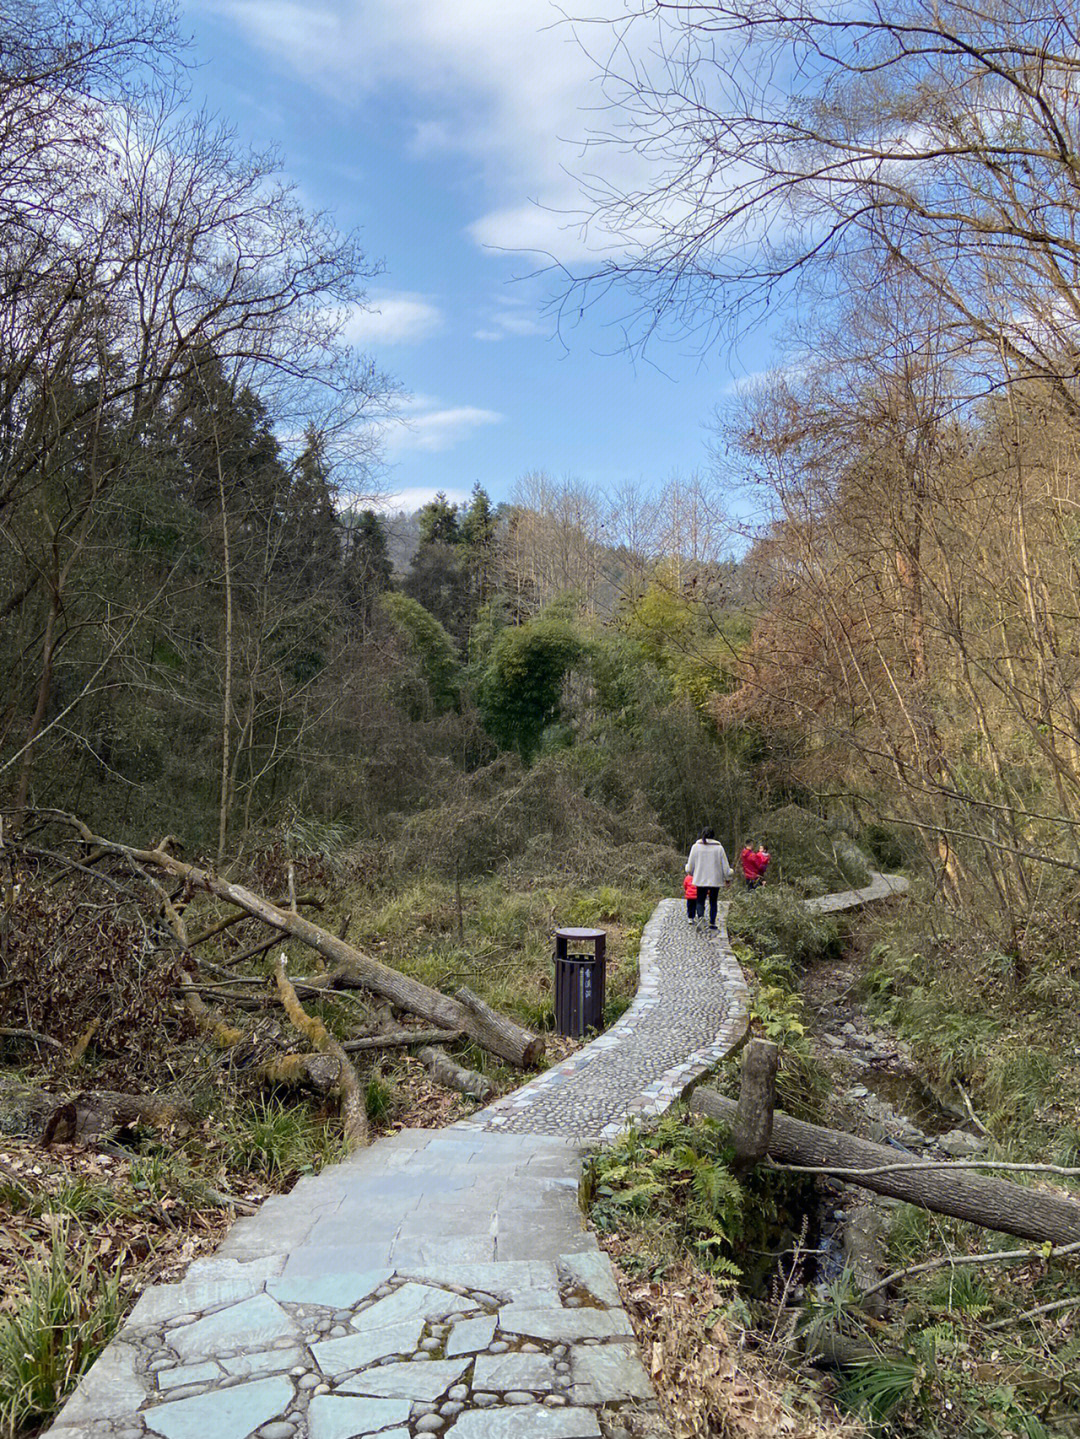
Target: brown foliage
x=73, y=958
x=710, y=1386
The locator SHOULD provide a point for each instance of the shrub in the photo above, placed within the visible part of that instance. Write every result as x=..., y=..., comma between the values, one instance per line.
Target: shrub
x=804, y=848
x=773, y=920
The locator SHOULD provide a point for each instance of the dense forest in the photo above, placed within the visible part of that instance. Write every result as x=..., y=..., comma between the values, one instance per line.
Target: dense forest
x=468, y=723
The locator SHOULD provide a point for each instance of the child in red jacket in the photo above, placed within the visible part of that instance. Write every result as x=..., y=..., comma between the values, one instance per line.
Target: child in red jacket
x=689, y=888
x=755, y=861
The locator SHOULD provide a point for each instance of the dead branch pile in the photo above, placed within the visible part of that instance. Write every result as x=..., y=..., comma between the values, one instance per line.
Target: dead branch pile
x=78, y=957
x=708, y=1383
x=104, y=944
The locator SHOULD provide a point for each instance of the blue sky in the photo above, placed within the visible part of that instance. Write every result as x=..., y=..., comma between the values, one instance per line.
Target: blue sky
x=448, y=132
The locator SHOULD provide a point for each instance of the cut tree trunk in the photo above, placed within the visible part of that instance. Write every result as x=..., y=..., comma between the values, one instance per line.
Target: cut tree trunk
x=493, y=1032
x=319, y=1071
x=752, y=1129
x=993, y=1203
x=497, y=1034
x=98, y=1111
x=444, y=1071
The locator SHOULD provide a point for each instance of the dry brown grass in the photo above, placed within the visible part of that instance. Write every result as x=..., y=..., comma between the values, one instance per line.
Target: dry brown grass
x=709, y=1385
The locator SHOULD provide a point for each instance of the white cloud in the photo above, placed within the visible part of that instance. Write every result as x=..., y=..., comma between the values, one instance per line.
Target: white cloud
x=393, y=319
x=506, y=83
x=427, y=424
x=510, y=317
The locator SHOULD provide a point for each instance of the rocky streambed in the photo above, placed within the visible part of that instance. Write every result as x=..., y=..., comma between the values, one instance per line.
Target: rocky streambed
x=878, y=1094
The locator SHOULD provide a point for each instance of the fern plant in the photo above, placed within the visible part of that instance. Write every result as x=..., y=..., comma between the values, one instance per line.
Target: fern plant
x=670, y=1187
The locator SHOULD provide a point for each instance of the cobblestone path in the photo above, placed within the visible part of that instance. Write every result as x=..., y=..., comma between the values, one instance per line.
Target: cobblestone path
x=439, y=1282
x=690, y=1011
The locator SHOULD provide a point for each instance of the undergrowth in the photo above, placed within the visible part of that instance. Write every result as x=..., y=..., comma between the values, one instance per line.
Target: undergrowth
x=986, y=1027
x=496, y=938
x=69, y=1309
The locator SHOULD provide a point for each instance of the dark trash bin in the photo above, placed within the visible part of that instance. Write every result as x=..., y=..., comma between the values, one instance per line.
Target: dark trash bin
x=579, y=981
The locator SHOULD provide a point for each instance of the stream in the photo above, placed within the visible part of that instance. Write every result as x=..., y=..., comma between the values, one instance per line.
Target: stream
x=878, y=1095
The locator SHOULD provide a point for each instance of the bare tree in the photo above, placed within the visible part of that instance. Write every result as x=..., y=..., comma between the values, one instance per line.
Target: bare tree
x=138, y=243
x=938, y=138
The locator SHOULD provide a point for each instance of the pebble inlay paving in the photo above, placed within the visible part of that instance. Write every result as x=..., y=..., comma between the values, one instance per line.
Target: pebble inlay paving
x=437, y=1283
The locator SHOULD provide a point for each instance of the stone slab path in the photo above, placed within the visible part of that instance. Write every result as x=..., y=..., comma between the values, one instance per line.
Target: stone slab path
x=439, y=1282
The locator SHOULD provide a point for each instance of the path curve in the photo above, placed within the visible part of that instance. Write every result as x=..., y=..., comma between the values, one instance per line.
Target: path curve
x=691, y=1010
x=439, y=1282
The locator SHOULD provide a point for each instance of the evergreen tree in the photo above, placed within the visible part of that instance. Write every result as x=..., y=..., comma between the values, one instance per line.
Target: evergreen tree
x=367, y=570
x=438, y=576
x=478, y=526
x=439, y=522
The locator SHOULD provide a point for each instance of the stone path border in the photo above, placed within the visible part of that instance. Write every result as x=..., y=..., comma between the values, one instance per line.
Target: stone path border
x=439, y=1282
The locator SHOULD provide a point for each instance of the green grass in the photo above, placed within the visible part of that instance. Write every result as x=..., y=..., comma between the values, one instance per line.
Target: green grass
x=501, y=944
x=278, y=1141
x=68, y=1312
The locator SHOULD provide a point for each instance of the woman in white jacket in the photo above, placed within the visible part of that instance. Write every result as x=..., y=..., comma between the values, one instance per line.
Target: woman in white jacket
x=707, y=864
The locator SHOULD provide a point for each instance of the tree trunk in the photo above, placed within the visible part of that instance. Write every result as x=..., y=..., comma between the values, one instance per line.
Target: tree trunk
x=497, y=1034
x=752, y=1129
x=993, y=1203
x=353, y=1111
x=444, y=1071
x=320, y=1071
x=98, y=1111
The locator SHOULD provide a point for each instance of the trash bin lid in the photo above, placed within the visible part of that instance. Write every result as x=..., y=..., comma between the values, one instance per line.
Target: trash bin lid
x=581, y=933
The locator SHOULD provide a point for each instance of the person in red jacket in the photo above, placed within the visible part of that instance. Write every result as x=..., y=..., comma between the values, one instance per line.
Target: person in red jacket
x=689, y=888
x=755, y=861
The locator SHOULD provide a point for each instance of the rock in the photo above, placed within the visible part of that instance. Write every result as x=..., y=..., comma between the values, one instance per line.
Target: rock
x=430, y=1424
x=834, y=1040
x=960, y=1144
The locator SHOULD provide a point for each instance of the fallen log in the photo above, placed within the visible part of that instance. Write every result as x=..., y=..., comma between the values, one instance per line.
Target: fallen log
x=493, y=1032
x=399, y=1039
x=992, y=1203
x=501, y=1036
x=99, y=1111
x=220, y=925
x=451, y=1075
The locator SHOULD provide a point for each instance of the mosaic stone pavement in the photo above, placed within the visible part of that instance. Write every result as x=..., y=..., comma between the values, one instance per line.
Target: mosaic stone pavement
x=439, y=1282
